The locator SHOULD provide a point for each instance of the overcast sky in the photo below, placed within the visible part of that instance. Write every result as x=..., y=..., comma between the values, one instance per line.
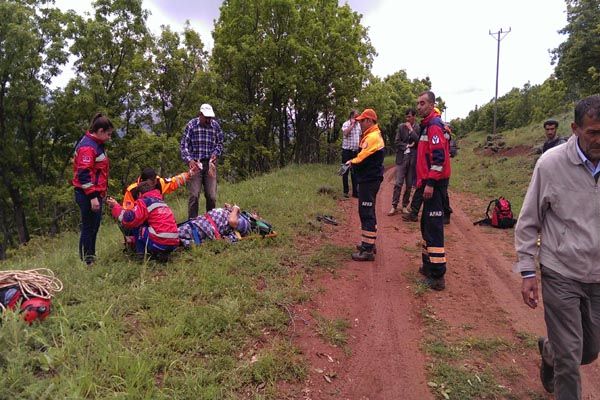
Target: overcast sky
x=448, y=41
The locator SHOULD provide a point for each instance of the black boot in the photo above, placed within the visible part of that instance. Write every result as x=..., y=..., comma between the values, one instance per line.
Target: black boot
x=363, y=255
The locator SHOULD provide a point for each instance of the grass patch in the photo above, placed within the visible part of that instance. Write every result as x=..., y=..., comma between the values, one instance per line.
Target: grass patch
x=329, y=257
x=451, y=382
x=127, y=329
x=332, y=331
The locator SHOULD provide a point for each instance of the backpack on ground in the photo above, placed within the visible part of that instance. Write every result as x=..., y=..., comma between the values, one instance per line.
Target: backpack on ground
x=501, y=214
x=259, y=225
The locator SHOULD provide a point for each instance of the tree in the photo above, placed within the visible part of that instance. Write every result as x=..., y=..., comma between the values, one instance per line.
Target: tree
x=32, y=48
x=577, y=59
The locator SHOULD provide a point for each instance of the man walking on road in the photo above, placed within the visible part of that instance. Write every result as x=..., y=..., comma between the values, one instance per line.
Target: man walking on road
x=406, y=157
x=433, y=172
x=368, y=170
x=200, y=147
x=562, y=205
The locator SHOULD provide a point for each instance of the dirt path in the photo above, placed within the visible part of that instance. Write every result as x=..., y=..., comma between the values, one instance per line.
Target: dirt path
x=384, y=357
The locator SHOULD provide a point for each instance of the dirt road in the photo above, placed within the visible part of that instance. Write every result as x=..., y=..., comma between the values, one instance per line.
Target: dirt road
x=385, y=355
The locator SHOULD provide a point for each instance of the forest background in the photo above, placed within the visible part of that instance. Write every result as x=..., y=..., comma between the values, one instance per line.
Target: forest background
x=282, y=77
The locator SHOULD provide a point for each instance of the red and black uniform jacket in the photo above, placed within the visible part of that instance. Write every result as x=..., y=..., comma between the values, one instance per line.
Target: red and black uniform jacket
x=152, y=211
x=90, y=167
x=433, y=157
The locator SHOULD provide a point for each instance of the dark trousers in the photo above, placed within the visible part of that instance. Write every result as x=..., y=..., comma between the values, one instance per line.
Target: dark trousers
x=367, y=193
x=201, y=180
x=349, y=155
x=445, y=198
x=90, y=224
x=405, y=172
x=432, y=231
x=572, y=314
x=144, y=244
x=417, y=200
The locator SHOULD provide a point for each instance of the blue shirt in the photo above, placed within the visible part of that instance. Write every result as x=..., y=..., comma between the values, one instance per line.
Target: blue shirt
x=594, y=169
x=201, y=142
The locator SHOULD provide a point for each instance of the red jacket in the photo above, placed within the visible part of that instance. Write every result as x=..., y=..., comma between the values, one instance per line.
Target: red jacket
x=433, y=158
x=152, y=211
x=90, y=166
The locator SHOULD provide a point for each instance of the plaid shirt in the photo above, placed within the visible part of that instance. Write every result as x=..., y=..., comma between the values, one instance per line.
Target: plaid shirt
x=206, y=230
x=201, y=142
x=351, y=141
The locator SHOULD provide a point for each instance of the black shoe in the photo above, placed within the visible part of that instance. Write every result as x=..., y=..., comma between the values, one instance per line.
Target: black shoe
x=446, y=219
x=422, y=271
x=359, y=247
x=410, y=217
x=363, y=256
x=346, y=195
x=546, y=370
x=355, y=195
x=435, y=283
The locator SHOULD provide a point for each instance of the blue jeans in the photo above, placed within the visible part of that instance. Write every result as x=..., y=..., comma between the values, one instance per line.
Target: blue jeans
x=90, y=224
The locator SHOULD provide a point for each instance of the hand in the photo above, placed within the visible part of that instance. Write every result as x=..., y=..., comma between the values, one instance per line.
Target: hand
x=408, y=125
x=349, y=163
x=95, y=203
x=428, y=192
x=192, y=164
x=529, y=291
x=111, y=202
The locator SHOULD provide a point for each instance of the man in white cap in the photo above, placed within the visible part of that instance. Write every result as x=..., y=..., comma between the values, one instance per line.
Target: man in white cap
x=201, y=145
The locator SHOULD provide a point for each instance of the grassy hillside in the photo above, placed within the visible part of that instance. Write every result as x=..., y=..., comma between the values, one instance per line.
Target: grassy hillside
x=506, y=173
x=208, y=325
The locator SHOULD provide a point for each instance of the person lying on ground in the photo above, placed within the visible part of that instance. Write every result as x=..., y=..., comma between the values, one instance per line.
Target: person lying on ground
x=157, y=229
x=219, y=223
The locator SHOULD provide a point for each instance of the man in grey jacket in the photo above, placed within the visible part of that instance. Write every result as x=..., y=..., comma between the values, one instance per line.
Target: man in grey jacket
x=406, y=140
x=562, y=208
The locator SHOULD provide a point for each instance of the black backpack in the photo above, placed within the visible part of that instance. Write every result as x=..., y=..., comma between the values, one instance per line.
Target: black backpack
x=501, y=215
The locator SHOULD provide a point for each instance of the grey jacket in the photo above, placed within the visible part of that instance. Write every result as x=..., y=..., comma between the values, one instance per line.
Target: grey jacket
x=404, y=136
x=563, y=205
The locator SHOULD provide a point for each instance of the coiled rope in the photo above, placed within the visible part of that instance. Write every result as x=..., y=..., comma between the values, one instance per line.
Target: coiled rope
x=39, y=282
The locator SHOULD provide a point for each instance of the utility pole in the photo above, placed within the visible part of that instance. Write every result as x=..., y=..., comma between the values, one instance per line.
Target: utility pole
x=498, y=36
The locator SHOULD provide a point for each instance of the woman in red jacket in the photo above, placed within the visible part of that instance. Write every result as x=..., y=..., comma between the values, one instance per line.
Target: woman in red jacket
x=90, y=179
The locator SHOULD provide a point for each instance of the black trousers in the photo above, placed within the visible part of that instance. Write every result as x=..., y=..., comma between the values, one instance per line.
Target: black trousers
x=417, y=200
x=349, y=155
x=432, y=231
x=367, y=193
x=446, y=200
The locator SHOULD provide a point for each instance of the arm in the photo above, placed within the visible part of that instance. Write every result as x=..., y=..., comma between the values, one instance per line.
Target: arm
x=526, y=237
x=218, y=150
x=130, y=218
x=347, y=127
x=169, y=185
x=185, y=145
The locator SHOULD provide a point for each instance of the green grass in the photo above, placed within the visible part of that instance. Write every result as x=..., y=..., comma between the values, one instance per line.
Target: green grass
x=333, y=331
x=210, y=324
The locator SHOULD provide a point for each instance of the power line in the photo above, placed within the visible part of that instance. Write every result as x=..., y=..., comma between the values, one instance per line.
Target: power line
x=498, y=36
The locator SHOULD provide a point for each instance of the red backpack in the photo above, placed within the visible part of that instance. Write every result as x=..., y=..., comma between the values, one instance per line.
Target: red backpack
x=502, y=215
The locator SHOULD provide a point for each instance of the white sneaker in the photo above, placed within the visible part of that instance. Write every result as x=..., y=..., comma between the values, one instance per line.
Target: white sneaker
x=405, y=210
x=393, y=211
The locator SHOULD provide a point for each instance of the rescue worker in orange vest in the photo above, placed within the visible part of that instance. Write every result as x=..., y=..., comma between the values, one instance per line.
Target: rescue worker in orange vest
x=368, y=172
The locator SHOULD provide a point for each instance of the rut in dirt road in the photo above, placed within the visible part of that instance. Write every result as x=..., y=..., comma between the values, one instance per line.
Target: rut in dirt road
x=386, y=355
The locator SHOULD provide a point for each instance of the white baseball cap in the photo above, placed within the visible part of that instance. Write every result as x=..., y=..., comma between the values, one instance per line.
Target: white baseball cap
x=207, y=110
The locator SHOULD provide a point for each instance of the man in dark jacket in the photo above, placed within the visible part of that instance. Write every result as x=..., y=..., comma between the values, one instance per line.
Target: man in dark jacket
x=552, y=139
x=406, y=157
